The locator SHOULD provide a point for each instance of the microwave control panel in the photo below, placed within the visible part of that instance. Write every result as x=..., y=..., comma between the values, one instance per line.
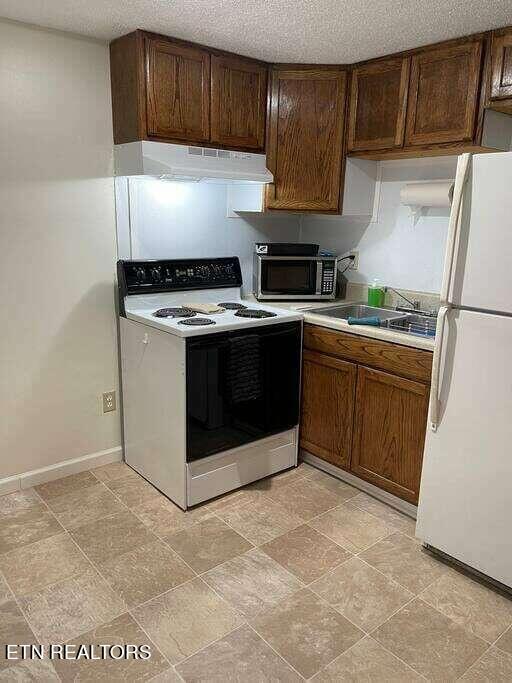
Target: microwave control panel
x=328, y=270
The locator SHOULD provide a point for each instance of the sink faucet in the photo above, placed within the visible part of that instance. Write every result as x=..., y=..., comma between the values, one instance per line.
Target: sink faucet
x=413, y=305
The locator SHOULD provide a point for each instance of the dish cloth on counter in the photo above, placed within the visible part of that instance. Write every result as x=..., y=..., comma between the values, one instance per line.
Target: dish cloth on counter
x=243, y=372
x=205, y=308
x=370, y=320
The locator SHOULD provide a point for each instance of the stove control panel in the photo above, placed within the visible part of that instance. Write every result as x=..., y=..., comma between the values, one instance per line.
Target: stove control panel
x=139, y=277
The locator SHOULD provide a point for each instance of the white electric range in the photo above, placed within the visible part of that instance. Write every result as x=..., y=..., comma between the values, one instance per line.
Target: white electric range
x=210, y=399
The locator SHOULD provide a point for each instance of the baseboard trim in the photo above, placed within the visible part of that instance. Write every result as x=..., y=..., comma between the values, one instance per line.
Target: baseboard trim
x=60, y=469
x=384, y=496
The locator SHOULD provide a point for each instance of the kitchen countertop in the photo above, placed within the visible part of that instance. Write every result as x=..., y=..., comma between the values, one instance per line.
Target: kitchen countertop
x=425, y=343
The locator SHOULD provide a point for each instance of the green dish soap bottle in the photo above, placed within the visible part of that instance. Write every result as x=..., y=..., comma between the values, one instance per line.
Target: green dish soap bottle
x=376, y=294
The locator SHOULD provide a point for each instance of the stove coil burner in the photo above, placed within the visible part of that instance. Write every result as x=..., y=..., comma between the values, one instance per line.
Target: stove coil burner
x=197, y=321
x=178, y=312
x=254, y=313
x=232, y=306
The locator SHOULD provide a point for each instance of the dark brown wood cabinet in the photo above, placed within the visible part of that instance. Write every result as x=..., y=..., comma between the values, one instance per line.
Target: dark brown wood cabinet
x=378, y=101
x=422, y=102
x=501, y=79
x=429, y=101
x=389, y=432
x=328, y=396
x=238, y=102
x=443, y=94
x=173, y=91
x=404, y=361
x=365, y=407
x=177, y=91
x=305, y=145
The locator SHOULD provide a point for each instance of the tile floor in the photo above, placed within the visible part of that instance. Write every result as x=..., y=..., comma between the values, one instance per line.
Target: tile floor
x=296, y=577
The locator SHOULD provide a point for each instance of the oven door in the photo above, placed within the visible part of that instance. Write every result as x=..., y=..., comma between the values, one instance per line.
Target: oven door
x=289, y=277
x=241, y=386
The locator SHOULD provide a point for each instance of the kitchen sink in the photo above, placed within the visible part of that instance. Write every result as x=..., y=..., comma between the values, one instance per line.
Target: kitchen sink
x=419, y=325
x=398, y=321
x=359, y=310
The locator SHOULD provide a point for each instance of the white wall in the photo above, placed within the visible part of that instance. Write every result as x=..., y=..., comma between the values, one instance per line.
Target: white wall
x=395, y=249
x=173, y=219
x=57, y=249
x=185, y=220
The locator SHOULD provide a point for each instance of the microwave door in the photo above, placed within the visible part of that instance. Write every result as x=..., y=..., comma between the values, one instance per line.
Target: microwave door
x=294, y=278
x=288, y=277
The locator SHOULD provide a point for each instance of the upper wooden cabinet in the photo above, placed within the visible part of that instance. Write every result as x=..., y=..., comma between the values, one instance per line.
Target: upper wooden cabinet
x=168, y=90
x=501, y=85
x=443, y=94
x=239, y=99
x=177, y=91
x=378, y=101
x=305, y=147
x=431, y=100
x=422, y=102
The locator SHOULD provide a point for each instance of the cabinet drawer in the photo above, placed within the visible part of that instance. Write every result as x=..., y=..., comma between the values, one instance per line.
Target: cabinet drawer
x=399, y=360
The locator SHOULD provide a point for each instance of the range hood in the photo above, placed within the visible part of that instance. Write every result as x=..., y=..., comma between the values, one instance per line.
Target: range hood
x=180, y=162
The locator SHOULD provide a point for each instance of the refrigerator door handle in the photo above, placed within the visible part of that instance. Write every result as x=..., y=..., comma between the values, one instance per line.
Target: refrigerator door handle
x=454, y=225
x=436, y=369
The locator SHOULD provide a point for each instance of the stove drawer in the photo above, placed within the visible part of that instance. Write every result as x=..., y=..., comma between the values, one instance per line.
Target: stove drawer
x=213, y=476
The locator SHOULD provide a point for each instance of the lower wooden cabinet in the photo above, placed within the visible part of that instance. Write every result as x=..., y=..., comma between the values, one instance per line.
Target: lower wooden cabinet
x=328, y=397
x=370, y=421
x=389, y=432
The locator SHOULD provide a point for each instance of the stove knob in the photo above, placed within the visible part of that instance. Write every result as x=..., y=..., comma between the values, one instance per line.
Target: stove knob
x=156, y=274
x=140, y=274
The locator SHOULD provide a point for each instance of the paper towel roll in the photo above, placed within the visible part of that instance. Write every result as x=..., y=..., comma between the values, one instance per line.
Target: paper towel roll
x=436, y=194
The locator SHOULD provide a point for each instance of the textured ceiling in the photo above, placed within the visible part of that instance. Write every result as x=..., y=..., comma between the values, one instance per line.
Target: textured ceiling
x=315, y=31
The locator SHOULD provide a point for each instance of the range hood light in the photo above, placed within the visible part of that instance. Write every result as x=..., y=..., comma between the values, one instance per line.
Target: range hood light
x=169, y=177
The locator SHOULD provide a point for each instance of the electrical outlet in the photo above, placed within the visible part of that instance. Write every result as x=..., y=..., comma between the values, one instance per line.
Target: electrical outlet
x=355, y=263
x=109, y=401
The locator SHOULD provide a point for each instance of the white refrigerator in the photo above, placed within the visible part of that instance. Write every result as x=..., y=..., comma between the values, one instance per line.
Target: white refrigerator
x=465, y=504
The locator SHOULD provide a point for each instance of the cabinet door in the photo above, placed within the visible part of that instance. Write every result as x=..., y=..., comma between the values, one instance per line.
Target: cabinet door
x=502, y=65
x=305, y=143
x=239, y=98
x=177, y=91
x=389, y=432
x=443, y=94
x=378, y=101
x=328, y=394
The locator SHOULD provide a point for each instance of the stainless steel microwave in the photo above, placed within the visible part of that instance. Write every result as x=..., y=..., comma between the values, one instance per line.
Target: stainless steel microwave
x=294, y=277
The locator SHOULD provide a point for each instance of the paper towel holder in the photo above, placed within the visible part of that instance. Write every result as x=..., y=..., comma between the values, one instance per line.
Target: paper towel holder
x=421, y=195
